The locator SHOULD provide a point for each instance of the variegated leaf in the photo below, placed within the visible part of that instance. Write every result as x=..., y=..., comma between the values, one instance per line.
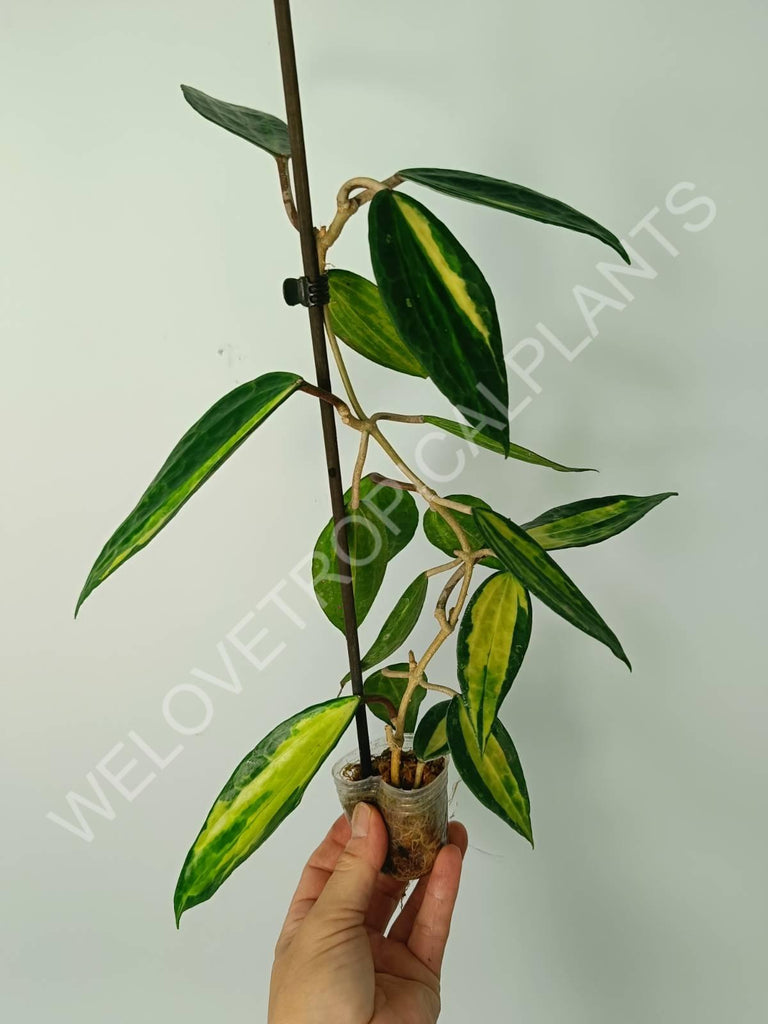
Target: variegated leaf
x=442, y=308
x=529, y=562
x=359, y=318
x=200, y=452
x=431, y=739
x=590, y=521
x=495, y=775
x=263, y=130
x=263, y=790
x=511, y=451
x=492, y=641
x=503, y=195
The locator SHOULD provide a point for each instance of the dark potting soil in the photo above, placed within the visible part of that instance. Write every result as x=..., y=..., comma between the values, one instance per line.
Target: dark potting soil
x=381, y=765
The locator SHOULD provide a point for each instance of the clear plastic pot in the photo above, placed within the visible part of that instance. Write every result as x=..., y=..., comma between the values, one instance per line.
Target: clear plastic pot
x=416, y=819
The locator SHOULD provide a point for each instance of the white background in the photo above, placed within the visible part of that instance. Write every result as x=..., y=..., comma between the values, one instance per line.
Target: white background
x=143, y=252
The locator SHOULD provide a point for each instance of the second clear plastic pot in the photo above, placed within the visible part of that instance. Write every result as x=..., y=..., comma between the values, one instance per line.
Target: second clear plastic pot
x=416, y=819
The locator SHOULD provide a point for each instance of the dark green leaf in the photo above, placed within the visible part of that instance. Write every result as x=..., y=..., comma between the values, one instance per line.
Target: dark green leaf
x=398, y=624
x=377, y=531
x=442, y=308
x=503, y=195
x=590, y=521
x=366, y=565
x=395, y=511
x=200, y=452
x=439, y=533
x=263, y=790
x=379, y=685
x=512, y=451
x=495, y=775
x=263, y=130
x=537, y=571
x=431, y=739
x=492, y=641
x=359, y=318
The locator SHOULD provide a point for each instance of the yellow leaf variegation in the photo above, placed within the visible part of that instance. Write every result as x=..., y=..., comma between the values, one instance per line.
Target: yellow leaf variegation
x=517, y=199
x=263, y=790
x=431, y=738
x=442, y=307
x=205, y=446
x=493, y=638
x=495, y=775
x=588, y=522
x=359, y=318
x=526, y=559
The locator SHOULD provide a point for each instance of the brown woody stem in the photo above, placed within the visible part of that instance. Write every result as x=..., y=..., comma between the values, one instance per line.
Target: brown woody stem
x=398, y=485
x=287, y=190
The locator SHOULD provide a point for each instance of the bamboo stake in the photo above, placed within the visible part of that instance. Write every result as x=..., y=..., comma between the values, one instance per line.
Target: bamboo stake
x=312, y=273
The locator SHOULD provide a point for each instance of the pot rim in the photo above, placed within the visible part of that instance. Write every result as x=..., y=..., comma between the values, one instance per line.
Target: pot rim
x=352, y=757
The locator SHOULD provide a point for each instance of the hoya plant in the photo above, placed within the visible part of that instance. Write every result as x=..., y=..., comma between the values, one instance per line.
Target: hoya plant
x=429, y=313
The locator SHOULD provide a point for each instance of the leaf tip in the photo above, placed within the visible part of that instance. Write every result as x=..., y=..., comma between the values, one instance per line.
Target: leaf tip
x=179, y=905
x=525, y=829
x=83, y=594
x=622, y=252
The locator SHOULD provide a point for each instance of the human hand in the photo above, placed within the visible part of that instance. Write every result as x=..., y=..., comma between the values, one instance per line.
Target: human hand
x=333, y=963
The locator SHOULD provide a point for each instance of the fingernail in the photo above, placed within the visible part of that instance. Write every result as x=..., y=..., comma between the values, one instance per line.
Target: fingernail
x=361, y=819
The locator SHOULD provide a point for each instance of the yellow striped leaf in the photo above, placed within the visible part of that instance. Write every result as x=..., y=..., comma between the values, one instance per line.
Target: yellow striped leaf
x=495, y=775
x=263, y=790
x=431, y=738
x=200, y=452
x=442, y=308
x=263, y=130
x=359, y=318
x=539, y=573
x=492, y=641
x=509, y=451
x=503, y=195
x=590, y=521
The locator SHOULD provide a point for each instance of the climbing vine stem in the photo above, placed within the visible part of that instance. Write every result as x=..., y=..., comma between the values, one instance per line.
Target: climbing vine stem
x=463, y=564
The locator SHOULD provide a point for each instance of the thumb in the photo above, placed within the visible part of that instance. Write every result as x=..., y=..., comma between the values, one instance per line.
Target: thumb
x=348, y=891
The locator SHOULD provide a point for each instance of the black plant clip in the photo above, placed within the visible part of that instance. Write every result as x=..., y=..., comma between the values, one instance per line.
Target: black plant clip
x=309, y=293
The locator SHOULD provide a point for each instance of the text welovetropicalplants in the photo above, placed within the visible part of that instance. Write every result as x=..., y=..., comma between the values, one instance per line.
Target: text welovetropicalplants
x=429, y=314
